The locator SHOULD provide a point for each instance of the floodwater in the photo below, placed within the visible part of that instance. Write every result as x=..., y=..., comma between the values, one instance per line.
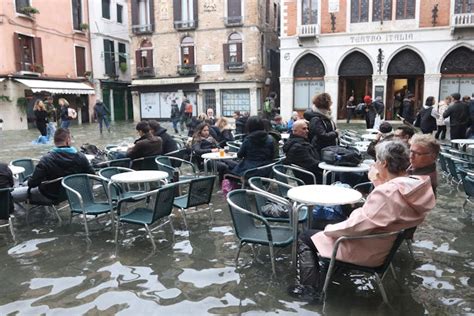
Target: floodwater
x=52, y=270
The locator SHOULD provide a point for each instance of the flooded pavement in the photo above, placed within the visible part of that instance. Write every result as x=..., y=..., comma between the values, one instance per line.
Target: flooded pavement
x=52, y=270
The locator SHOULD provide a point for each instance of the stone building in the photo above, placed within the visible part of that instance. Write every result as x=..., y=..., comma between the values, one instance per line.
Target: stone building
x=220, y=54
x=45, y=52
x=386, y=48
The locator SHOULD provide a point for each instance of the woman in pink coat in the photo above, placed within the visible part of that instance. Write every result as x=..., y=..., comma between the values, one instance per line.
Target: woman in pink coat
x=398, y=202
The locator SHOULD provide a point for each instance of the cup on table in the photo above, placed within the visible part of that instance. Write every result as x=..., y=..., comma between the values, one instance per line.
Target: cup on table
x=221, y=152
x=226, y=149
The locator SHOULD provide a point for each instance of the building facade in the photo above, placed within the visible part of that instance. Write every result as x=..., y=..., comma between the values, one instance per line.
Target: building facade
x=217, y=53
x=110, y=43
x=386, y=48
x=43, y=57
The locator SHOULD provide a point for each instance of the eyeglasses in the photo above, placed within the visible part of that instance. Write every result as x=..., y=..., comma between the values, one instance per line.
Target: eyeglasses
x=417, y=153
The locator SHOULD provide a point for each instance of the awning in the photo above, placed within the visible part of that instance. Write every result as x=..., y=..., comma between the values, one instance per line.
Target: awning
x=163, y=81
x=57, y=87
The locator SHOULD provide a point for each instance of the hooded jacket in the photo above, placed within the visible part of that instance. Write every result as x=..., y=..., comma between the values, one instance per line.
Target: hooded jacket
x=299, y=151
x=400, y=203
x=169, y=144
x=257, y=150
x=145, y=146
x=60, y=162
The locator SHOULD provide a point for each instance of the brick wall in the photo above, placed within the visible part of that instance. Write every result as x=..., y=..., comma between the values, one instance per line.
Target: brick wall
x=340, y=16
x=426, y=7
x=289, y=17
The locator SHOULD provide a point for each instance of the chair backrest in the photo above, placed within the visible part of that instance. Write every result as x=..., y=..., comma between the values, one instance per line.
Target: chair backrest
x=200, y=191
x=5, y=203
x=164, y=164
x=468, y=184
x=122, y=162
x=28, y=164
x=144, y=163
x=233, y=146
x=443, y=163
x=164, y=202
x=108, y=172
x=264, y=186
x=401, y=236
x=280, y=173
x=57, y=192
x=79, y=189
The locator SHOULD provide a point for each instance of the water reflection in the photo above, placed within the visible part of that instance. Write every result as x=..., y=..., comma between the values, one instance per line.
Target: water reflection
x=52, y=271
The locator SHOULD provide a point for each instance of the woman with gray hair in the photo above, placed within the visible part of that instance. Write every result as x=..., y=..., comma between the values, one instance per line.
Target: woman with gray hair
x=397, y=202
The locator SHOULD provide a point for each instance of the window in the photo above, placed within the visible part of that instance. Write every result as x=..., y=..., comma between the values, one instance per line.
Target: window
x=262, y=50
x=76, y=14
x=20, y=4
x=106, y=9
x=210, y=99
x=80, y=61
x=122, y=53
x=142, y=16
x=119, y=13
x=235, y=100
x=28, y=53
x=267, y=11
x=382, y=10
x=144, y=60
x=109, y=57
x=187, y=51
x=234, y=12
x=462, y=6
x=309, y=12
x=185, y=14
x=405, y=9
x=275, y=15
x=359, y=11
x=233, y=53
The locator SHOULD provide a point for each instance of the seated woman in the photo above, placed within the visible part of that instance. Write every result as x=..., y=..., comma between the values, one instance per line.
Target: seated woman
x=222, y=131
x=202, y=143
x=398, y=202
x=257, y=148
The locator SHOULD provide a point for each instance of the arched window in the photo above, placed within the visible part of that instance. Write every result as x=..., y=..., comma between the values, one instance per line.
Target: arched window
x=187, y=51
x=233, y=53
x=144, y=59
x=309, y=80
x=457, y=72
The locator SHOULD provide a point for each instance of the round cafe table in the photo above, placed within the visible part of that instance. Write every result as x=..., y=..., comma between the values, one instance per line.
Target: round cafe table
x=317, y=194
x=141, y=176
x=369, y=136
x=214, y=156
x=328, y=168
x=461, y=143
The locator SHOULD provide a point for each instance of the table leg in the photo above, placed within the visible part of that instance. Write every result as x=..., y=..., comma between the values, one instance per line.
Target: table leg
x=205, y=167
x=325, y=175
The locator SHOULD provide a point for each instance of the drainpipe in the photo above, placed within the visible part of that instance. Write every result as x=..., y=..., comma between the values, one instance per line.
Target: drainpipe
x=90, y=98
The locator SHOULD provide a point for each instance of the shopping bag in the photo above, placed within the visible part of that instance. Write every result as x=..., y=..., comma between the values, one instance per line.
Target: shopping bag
x=377, y=121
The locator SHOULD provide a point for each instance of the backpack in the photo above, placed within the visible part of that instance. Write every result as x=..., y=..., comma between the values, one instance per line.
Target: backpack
x=267, y=106
x=341, y=156
x=71, y=113
x=188, y=108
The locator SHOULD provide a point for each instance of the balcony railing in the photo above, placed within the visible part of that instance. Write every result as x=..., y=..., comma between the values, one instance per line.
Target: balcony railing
x=142, y=29
x=186, y=70
x=308, y=30
x=463, y=20
x=144, y=72
x=185, y=25
x=235, y=67
x=233, y=20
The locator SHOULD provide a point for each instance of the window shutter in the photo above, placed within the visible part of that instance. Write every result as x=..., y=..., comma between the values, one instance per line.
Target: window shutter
x=138, y=58
x=152, y=15
x=195, y=12
x=135, y=19
x=233, y=8
x=17, y=51
x=177, y=10
x=80, y=61
x=191, y=55
x=226, y=54
x=149, y=58
x=38, y=51
x=239, y=52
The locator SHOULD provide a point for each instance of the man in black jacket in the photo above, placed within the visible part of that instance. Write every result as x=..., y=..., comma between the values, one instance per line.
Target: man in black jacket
x=169, y=144
x=62, y=160
x=459, y=117
x=147, y=145
x=299, y=151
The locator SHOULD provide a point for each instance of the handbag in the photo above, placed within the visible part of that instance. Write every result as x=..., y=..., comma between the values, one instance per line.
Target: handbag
x=341, y=156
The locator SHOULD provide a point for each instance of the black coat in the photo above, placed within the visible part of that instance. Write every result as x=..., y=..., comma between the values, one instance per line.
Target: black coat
x=321, y=132
x=6, y=181
x=426, y=121
x=222, y=137
x=240, y=124
x=299, y=151
x=408, y=112
x=58, y=163
x=257, y=150
x=168, y=143
x=458, y=114
x=145, y=146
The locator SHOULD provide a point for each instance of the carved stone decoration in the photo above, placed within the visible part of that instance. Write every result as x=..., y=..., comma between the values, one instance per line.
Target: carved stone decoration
x=459, y=61
x=210, y=6
x=406, y=62
x=309, y=66
x=356, y=64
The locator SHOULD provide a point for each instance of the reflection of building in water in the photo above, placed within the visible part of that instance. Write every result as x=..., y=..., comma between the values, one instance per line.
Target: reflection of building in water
x=386, y=48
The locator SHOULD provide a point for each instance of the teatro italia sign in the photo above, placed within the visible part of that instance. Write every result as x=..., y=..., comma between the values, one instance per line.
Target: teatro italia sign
x=381, y=38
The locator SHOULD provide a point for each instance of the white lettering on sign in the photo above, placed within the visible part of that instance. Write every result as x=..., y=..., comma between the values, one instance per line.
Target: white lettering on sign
x=377, y=38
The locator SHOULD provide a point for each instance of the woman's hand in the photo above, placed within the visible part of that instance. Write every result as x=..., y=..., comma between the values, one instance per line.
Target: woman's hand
x=373, y=175
x=214, y=150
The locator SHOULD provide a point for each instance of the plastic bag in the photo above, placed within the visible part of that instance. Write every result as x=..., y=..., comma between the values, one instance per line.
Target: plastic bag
x=377, y=122
x=227, y=186
x=274, y=210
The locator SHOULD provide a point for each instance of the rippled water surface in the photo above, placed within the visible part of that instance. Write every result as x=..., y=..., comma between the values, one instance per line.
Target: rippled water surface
x=52, y=270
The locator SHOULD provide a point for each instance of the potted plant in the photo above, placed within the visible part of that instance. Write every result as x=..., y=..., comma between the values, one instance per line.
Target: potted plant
x=22, y=104
x=84, y=27
x=123, y=67
x=30, y=11
x=37, y=68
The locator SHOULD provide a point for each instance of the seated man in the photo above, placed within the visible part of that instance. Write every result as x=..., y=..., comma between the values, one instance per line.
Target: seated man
x=61, y=161
x=6, y=181
x=278, y=124
x=299, y=151
x=424, y=150
x=147, y=144
x=169, y=144
x=385, y=133
x=404, y=133
x=398, y=202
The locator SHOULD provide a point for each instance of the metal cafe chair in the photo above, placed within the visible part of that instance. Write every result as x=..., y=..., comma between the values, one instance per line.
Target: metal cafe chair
x=5, y=205
x=59, y=194
x=144, y=163
x=251, y=228
x=29, y=165
x=174, y=167
x=120, y=191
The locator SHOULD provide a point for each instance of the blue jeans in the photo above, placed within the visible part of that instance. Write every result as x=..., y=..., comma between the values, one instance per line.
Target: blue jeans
x=65, y=124
x=105, y=120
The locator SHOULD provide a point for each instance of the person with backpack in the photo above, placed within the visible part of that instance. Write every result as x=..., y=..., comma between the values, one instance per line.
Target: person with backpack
x=175, y=115
x=64, y=113
x=268, y=106
x=100, y=114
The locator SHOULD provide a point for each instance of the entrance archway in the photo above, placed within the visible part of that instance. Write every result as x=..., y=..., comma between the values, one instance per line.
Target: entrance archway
x=308, y=80
x=355, y=79
x=405, y=73
x=457, y=73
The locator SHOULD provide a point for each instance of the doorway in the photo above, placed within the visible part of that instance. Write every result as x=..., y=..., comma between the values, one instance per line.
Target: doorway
x=352, y=86
x=397, y=89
